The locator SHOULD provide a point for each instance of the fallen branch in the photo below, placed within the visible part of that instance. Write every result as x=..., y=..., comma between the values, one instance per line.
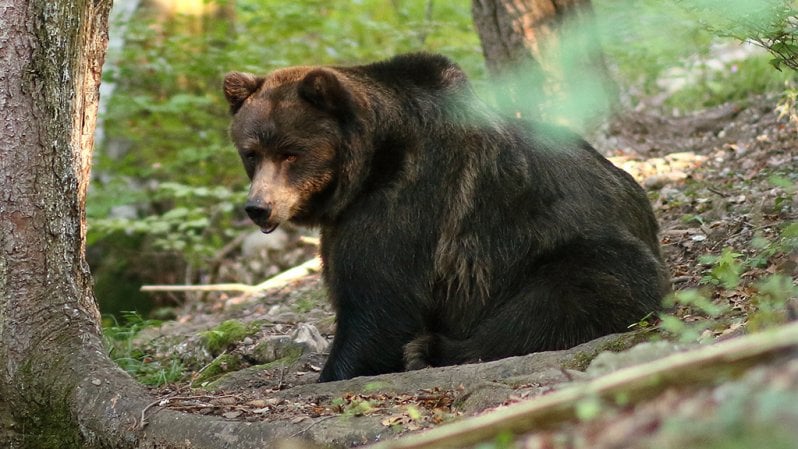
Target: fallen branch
x=300, y=271
x=694, y=367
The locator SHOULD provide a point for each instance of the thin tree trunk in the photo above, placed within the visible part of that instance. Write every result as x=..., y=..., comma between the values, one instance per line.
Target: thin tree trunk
x=119, y=15
x=543, y=52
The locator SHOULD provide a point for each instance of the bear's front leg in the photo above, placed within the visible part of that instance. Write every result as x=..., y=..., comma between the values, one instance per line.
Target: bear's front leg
x=369, y=339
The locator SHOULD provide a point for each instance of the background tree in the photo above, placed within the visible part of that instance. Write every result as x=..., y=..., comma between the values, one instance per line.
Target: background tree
x=541, y=50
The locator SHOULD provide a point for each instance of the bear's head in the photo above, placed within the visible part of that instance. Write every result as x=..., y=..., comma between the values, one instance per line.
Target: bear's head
x=313, y=139
x=291, y=129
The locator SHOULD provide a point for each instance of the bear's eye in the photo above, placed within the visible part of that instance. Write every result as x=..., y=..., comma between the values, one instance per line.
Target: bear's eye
x=250, y=157
x=288, y=157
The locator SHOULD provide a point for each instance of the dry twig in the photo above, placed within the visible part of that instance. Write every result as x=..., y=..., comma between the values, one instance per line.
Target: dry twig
x=292, y=274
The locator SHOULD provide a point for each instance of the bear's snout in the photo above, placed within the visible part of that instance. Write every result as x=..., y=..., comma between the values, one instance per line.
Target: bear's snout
x=260, y=213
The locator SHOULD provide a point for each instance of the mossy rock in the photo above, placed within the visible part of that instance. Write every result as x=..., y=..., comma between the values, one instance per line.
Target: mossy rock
x=586, y=352
x=226, y=334
x=275, y=349
x=254, y=376
x=225, y=363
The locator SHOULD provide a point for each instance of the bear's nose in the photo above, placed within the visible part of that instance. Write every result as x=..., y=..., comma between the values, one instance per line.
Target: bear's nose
x=259, y=212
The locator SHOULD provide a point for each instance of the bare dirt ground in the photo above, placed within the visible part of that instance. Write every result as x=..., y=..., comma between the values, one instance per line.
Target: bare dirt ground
x=723, y=184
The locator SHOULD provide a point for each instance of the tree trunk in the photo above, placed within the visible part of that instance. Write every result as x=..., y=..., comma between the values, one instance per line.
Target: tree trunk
x=52, y=54
x=58, y=388
x=546, y=55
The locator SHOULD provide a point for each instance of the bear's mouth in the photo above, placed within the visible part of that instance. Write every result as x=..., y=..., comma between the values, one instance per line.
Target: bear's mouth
x=269, y=229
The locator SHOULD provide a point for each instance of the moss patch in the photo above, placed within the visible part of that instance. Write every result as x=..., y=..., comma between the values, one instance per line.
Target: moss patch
x=46, y=419
x=225, y=334
x=581, y=360
x=232, y=380
x=220, y=365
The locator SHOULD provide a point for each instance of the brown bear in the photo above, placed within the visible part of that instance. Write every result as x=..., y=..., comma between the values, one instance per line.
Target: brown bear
x=449, y=233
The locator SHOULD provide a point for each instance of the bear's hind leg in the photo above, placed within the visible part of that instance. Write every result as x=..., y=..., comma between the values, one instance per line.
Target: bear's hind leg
x=581, y=293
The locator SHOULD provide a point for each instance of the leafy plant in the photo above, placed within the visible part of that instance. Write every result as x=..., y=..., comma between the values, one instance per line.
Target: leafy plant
x=693, y=330
x=771, y=301
x=726, y=268
x=770, y=295
x=771, y=24
x=196, y=226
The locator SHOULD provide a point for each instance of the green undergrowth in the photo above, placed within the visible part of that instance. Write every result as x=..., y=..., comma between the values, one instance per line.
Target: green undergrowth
x=649, y=42
x=737, y=290
x=226, y=334
x=143, y=365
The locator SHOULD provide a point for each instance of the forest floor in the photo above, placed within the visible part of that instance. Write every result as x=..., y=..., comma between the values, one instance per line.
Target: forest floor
x=724, y=185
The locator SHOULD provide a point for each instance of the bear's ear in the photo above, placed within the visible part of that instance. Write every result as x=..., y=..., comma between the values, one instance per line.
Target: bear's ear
x=238, y=87
x=323, y=89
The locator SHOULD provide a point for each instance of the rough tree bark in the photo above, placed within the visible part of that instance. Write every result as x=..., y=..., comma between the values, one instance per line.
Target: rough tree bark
x=52, y=54
x=58, y=389
x=538, y=48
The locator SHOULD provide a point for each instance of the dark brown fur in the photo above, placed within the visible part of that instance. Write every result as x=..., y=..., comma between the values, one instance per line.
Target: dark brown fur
x=450, y=234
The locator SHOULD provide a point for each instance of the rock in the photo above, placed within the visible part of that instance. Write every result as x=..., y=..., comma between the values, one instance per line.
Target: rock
x=257, y=242
x=305, y=339
x=607, y=362
x=275, y=348
x=308, y=336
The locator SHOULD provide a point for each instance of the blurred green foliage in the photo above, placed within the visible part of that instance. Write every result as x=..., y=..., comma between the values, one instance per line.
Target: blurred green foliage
x=771, y=24
x=643, y=38
x=167, y=180
x=648, y=40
